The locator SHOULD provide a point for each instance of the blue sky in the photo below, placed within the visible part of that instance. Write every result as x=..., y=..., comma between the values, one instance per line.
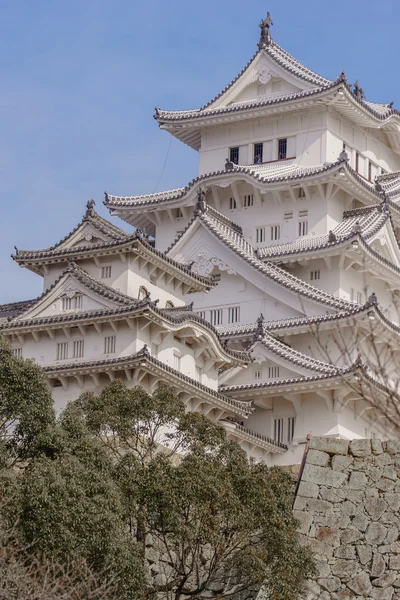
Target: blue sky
x=80, y=80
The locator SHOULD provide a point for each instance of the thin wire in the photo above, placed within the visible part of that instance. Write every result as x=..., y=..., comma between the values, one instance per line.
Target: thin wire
x=165, y=162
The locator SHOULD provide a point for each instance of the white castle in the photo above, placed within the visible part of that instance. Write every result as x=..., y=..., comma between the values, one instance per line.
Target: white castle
x=264, y=291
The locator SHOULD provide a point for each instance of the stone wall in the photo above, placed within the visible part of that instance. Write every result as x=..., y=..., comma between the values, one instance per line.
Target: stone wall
x=348, y=505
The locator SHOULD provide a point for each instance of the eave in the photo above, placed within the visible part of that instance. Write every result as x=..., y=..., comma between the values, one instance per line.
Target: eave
x=248, y=438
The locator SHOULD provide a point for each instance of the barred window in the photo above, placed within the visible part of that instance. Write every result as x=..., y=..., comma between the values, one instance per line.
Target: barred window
x=303, y=228
x=257, y=374
x=314, y=275
x=234, y=155
x=288, y=215
x=62, y=350
x=248, y=200
x=273, y=372
x=78, y=349
x=109, y=344
x=66, y=303
x=258, y=153
x=216, y=316
x=78, y=300
x=106, y=272
x=260, y=235
x=290, y=429
x=275, y=233
x=278, y=430
x=202, y=314
x=232, y=203
x=234, y=314
x=17, y=352
x=282, y=148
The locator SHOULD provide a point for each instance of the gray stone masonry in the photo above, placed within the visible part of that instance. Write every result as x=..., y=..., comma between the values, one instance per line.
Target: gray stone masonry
x=348, y=507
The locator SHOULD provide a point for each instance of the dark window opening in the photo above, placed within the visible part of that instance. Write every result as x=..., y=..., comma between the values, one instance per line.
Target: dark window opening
x=234, y=155
x=370, y=171
x=357, y=162
x=258, y=153
x=282, y=149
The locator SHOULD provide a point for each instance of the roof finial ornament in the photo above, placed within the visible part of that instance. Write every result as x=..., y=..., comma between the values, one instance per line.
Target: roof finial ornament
x=373, y=298
x=259, y=332
x=357, y=227
x=90, y=207
x=342, y=77
x=343, y=155
x=265, y=36
x=16, y=250
x=201, y=205
x=358, y=91
x=332, y=237
x=390, y=105
x=229, y=165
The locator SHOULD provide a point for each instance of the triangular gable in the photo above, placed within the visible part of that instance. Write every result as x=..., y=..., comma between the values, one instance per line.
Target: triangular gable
x=385, y=243
x=74, y=291
x=212, y=246
x=272, y=72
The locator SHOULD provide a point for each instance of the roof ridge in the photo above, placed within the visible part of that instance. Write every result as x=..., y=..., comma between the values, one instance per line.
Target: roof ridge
x=305, y=73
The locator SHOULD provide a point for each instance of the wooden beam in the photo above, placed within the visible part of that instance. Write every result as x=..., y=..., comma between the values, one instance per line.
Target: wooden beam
x=64, y=382
x=36, y=336
x=51, y=334
x=82, y=330
x=114, y=326
x=96, y=379
x=236, y=195
x=215, y=195
x=98, y=327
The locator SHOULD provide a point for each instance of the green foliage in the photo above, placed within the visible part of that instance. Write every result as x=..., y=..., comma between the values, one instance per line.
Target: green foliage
x=124, y=473
x=26, y=407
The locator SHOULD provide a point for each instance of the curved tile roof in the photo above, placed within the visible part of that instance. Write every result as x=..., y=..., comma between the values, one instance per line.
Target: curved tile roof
x=13, y=309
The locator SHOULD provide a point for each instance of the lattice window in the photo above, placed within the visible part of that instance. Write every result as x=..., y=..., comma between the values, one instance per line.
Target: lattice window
x=66, y=303
x=62, y=350
x=234, y=314
x=232, y=203
x=78, y=301
x=258, y=153
x=248, y=200
x=303, y=228
x=273, y=372
x=314, y=275
x=234, y=155
x=17, y=352
x=78, y=349
x=257, y=374
x=216, y=316
x=106, y=272
x=278, y=430
x=202, y=314
x=275, y=233
x=282, y=148
x=109, y=344
x=291, y=422
x=260, y=235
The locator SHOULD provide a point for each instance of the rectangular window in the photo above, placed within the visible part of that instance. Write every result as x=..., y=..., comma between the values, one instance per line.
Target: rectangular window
x=290, y=432
x=260, y=235
x=303, y=214
x=78, y=301
x=273, y=372
x=66, y=303
x=17, y=352
x=357, y=162
x=177, y=362
x=288, y=215
x=62, y=350
x=303, y=228
x=78, y=349
x=258, y=153
x=278, y=430
x=202, y=314
x=248, y=200
x=109, y=344
x=216, y=316
x=234, y=155
x=314, y=275
x=106, y=272
x=275, y=233
x=232, y=203
x=234, y=314
x=257, y=374
x=282, y=149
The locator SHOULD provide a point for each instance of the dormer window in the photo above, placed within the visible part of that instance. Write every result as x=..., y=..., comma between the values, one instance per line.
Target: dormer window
x=282, y=149
x=258, y=153
x=234, y=155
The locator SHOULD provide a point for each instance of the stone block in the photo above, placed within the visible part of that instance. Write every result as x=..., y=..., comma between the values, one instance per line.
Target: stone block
x=357, y=481
x=392, y=446
x=360, y=522
x=393, y=500
x=305, y=520
x=389, y=473
x=321, y=549
x=349, y=509
x=160, y=579
x=383, y=460
x=308, y=490
x=340, y=463
x=322, y=476
x=316, y=457
x=394, y=563
x=371, y=492
x=329, y=445
x=349, y=536
x=330, y=495
x=329, y=536
x=364, y=553
x=348, y=552
x=376, y=447
x=360, y=447
x=300, y=503
x=376, y=533
x=390, y=548
x=386, y=580
x=344, y=568
x=343, y=595
x=331, y=584
x=360, y=584
x=378, y=566
x=375, y=507
x=385, y=485
x=332, y=521
x=316, y=505
x=379, y=594
x=392, y=535
x=323, y=568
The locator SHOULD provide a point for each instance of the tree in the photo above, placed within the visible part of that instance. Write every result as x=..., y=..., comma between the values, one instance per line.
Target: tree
x=208, y=523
